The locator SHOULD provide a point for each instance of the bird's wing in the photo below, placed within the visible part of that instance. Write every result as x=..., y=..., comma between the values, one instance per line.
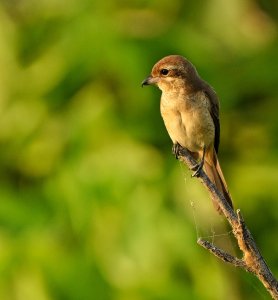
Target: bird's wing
x=214, y=112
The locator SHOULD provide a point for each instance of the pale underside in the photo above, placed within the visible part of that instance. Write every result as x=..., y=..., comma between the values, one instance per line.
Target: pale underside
x=188, y=120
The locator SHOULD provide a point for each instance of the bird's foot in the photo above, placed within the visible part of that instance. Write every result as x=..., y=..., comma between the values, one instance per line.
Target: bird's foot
x=200, y=165
x=176, y=150
x=197, y=168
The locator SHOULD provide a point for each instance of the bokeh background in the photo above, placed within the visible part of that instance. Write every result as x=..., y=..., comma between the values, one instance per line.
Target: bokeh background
x=92, y=203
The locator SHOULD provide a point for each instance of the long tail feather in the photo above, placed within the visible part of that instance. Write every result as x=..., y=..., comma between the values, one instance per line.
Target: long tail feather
x=215, y=174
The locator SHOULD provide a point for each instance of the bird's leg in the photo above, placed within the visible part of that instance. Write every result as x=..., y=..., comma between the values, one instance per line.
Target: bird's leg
x=175, y=149
x=199, y=166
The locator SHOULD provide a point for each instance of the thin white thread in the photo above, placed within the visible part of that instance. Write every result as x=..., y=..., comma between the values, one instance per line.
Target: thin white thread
x=195, y=221
x=191, y=203
x=197, y=229
x=255, y=285
x=217, y=235
x=213, y=233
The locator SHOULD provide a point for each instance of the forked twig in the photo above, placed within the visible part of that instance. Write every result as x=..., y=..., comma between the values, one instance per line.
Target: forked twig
x=252, y=260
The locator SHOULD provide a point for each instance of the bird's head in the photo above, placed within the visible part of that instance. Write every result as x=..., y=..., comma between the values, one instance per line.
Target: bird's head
x=173, y=71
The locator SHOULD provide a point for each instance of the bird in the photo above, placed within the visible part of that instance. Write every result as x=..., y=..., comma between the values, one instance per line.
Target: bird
x=190, y=110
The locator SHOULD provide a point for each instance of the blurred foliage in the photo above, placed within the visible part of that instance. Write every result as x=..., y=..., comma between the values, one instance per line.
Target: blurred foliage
x=93, y=205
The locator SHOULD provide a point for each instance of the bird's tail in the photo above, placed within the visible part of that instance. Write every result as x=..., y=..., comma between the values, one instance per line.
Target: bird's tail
x=215, y=174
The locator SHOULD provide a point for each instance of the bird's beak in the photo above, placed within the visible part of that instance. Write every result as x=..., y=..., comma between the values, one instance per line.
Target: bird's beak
x=150, y=80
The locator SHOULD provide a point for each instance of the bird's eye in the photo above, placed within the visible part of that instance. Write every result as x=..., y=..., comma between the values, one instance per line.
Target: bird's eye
x=164, y=72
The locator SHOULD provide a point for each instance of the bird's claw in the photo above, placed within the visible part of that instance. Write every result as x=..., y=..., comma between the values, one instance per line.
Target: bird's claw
x=200, y=165
x=176, y=150
x=197, y=168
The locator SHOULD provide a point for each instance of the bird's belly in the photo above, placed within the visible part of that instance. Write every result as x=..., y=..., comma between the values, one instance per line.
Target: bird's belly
x=191, y=129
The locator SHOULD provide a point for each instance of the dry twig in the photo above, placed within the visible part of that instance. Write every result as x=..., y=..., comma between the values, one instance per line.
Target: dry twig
x=252, y=260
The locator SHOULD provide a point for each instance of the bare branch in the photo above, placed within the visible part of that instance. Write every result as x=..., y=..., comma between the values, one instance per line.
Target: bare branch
x=226, y=257
x=252, y=260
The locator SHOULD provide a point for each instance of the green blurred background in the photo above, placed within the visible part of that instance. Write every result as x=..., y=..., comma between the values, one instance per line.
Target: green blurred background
x=93, y=204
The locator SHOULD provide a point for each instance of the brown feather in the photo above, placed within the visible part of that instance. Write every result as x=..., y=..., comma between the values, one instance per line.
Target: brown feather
x=213, y=170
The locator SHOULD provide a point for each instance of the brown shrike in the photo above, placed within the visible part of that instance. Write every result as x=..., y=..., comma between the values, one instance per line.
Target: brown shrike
x=190, y=110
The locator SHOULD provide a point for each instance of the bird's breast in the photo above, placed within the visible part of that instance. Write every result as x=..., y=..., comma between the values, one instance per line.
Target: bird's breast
x=188, y=122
